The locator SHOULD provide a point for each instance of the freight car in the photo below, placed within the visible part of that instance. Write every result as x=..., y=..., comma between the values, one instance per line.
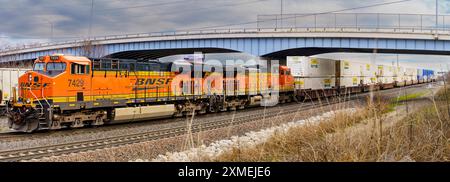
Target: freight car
x=9, y=79
x=318, y=77
x=66, y=91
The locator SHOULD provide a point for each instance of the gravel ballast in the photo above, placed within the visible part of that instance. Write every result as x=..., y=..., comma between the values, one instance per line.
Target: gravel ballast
x=250, y=139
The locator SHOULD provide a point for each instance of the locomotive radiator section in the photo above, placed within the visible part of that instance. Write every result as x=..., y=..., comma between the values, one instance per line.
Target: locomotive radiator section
x=132, y=114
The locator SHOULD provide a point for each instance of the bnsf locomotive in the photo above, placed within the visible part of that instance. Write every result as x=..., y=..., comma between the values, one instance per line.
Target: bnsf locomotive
x=67, y=91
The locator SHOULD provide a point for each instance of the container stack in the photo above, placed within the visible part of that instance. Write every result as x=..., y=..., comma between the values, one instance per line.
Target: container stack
x=313, y=73
x=9, y=79
x=319, y=74
x=420, y=75
x=386, y=76
x=369, y=74
x=401, y=77
x=425, y=75
x=411, y=76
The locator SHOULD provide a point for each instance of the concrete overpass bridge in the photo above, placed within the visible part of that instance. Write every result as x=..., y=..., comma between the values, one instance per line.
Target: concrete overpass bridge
x=271, y=42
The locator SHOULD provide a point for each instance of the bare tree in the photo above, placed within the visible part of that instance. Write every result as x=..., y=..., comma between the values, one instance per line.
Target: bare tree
x=89, y=49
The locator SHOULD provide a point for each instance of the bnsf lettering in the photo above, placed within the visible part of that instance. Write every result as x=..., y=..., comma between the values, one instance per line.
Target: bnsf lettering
x=153, y=81
x=26, y=85
x=76, y=83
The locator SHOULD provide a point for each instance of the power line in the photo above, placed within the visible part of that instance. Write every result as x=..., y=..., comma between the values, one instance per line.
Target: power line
x=297, y=16
x=147, y=5
x=106, y=10
x=204, y=8
x=46, y=6
x=91, y=18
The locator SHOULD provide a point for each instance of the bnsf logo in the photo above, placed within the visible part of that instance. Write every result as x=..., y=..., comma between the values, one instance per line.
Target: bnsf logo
x=153, y=81
x=27, y=84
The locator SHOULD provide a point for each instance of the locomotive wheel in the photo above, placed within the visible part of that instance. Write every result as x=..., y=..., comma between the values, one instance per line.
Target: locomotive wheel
x=213, y=109
x=98, y=121
x=27, y=126
x=77, y=124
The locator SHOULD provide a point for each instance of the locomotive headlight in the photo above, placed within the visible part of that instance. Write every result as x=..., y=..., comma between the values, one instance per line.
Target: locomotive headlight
x=28, y=101
x=30, y=77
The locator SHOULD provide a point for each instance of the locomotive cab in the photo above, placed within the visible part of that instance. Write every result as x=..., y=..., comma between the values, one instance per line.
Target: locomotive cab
x=54, y=79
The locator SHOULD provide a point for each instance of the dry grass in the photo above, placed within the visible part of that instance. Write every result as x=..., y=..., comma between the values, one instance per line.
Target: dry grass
x=373, y=134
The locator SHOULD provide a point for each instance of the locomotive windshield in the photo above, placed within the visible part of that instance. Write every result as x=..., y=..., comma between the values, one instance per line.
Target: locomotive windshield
x=56, y=66
x=54, y=69
x=50, y=69
x=39, y=67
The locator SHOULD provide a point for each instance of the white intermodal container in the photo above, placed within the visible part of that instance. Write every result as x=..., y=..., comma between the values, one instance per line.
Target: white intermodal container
x=401, y=74
x=9, y=79
x=317, y=83
x=312, y=73
x=350, y=73
x=401, y=71
x=420, y=74
x=369, y=80
x=385, y=71
x=388, y=80
x=396, y=77
x=411, y=74
x=311, y=67
x=369, y=70
x=350, y=81
x=351, y=68
x=385, y=74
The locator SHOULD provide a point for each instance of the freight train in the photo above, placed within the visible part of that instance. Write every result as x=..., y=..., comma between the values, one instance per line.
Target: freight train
x=67, y=91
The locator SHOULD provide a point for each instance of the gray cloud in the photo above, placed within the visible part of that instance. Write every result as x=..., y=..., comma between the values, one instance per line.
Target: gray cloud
x=23, y=19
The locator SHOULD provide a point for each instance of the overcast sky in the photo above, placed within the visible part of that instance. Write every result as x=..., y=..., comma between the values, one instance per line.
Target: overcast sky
x=26, y=21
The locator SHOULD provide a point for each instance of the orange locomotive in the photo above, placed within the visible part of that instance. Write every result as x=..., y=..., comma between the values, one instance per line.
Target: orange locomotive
x=68, y=91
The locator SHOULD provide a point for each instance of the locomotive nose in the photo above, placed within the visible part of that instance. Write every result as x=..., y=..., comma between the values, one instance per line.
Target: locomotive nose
x=28, y=83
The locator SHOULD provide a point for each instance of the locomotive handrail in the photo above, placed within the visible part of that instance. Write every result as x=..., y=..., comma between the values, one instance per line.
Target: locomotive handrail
x=42, y=106
x=45, y=98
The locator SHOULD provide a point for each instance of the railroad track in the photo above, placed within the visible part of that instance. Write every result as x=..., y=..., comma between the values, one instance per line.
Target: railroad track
x=17, y=136
x=89, y=145
x=9, y=135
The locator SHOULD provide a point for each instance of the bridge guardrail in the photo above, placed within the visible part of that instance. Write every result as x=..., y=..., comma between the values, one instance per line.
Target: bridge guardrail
x=235, y=31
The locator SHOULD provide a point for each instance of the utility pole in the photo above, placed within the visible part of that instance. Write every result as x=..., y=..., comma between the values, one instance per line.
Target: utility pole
x=91, y=18
x=398, y=65
x=281, y=13
x=51, y=36
x=51, y=29
x=437, y=14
